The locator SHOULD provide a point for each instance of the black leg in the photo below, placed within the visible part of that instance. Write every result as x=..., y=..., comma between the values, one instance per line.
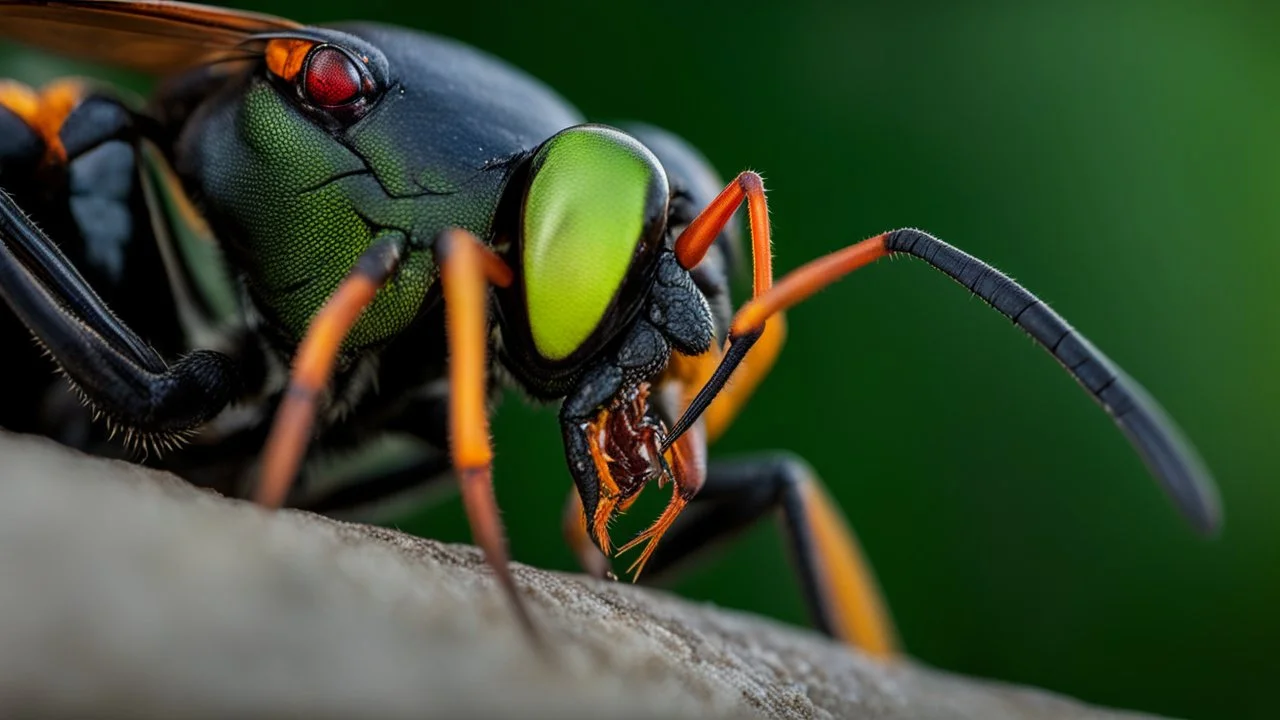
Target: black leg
x=115, y=369
x=96, y=301
x=425, y=418
x=360, y=491
x=21, y=151
x=841, y=593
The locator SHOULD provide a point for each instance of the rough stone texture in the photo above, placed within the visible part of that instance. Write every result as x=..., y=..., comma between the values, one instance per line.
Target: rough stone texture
x=125, y=591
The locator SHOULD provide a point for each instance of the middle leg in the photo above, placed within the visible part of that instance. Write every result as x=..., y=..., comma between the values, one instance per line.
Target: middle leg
x=839, y=587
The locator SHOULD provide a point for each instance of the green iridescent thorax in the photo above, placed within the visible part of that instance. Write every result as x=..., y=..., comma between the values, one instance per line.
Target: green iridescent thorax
x=592, y=203
x=278, y=179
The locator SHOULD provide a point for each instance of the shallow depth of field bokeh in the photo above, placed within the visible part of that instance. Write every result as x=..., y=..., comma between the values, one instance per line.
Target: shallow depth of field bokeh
x=1122, y=162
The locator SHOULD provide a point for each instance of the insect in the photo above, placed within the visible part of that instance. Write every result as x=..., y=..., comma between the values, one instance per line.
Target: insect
x=309, y=237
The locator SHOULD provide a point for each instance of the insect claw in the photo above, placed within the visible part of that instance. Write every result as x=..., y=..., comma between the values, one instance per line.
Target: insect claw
x=667, y=474
x=652, y=535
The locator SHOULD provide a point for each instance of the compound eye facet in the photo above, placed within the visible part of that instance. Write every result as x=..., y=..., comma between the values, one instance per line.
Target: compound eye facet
x=331, y=78
x=592, y=221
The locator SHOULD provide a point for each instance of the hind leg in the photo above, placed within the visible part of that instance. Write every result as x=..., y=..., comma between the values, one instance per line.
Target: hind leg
x=840, y=589
x=68, y=170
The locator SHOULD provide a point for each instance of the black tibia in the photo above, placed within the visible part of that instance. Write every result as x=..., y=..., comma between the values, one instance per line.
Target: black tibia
x=1167, y=454
x=21, y=153
x=112, y=366
x=733, y=356
x=92, y=204
x=385, y=483
x=737, y=494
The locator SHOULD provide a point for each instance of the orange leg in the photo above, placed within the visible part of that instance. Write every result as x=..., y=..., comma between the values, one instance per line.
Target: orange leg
x=574, y=525
x=688, y=460
x=767, y=300
x=843, y=592
x=467, y=268
x=858, y=613
x=313, y=366
x=686, y=444
x=699, y=236
x=692, y=246
x=840, y=589
x=843, y=595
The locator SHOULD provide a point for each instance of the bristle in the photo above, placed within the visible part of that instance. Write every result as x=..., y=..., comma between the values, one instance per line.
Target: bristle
x=139, y=443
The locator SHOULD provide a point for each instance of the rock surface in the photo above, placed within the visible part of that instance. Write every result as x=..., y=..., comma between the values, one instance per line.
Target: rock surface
x=125, y=591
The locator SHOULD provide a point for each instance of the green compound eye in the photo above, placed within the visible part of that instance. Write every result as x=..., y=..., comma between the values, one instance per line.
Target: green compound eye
x=595, y=204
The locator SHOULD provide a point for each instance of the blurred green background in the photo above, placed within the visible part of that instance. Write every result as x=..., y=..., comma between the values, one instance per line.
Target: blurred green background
x=1120, y=159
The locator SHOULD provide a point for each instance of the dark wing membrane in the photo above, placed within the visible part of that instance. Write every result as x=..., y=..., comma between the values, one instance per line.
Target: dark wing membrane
x=154, y=37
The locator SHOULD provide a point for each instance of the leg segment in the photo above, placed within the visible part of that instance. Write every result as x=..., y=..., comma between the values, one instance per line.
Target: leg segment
x=68, y=160
x=701, y=234
x=842, y=594
x=467, y=268
x=21, y=155
x=114, y=368
x=574, y=525
x=693, y=372
x=313, y=367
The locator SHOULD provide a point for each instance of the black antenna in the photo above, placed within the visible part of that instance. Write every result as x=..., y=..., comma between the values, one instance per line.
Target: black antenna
x=1159, y=442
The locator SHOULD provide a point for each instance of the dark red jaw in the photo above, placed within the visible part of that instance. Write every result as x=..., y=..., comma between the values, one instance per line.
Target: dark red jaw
x=625, y=440
x=626, y=446
x=630, y=438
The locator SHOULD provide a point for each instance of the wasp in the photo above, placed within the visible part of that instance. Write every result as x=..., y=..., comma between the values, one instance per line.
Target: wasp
x=310, y=237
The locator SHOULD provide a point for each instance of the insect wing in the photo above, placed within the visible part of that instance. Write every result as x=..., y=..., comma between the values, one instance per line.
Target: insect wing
x=153, y=37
